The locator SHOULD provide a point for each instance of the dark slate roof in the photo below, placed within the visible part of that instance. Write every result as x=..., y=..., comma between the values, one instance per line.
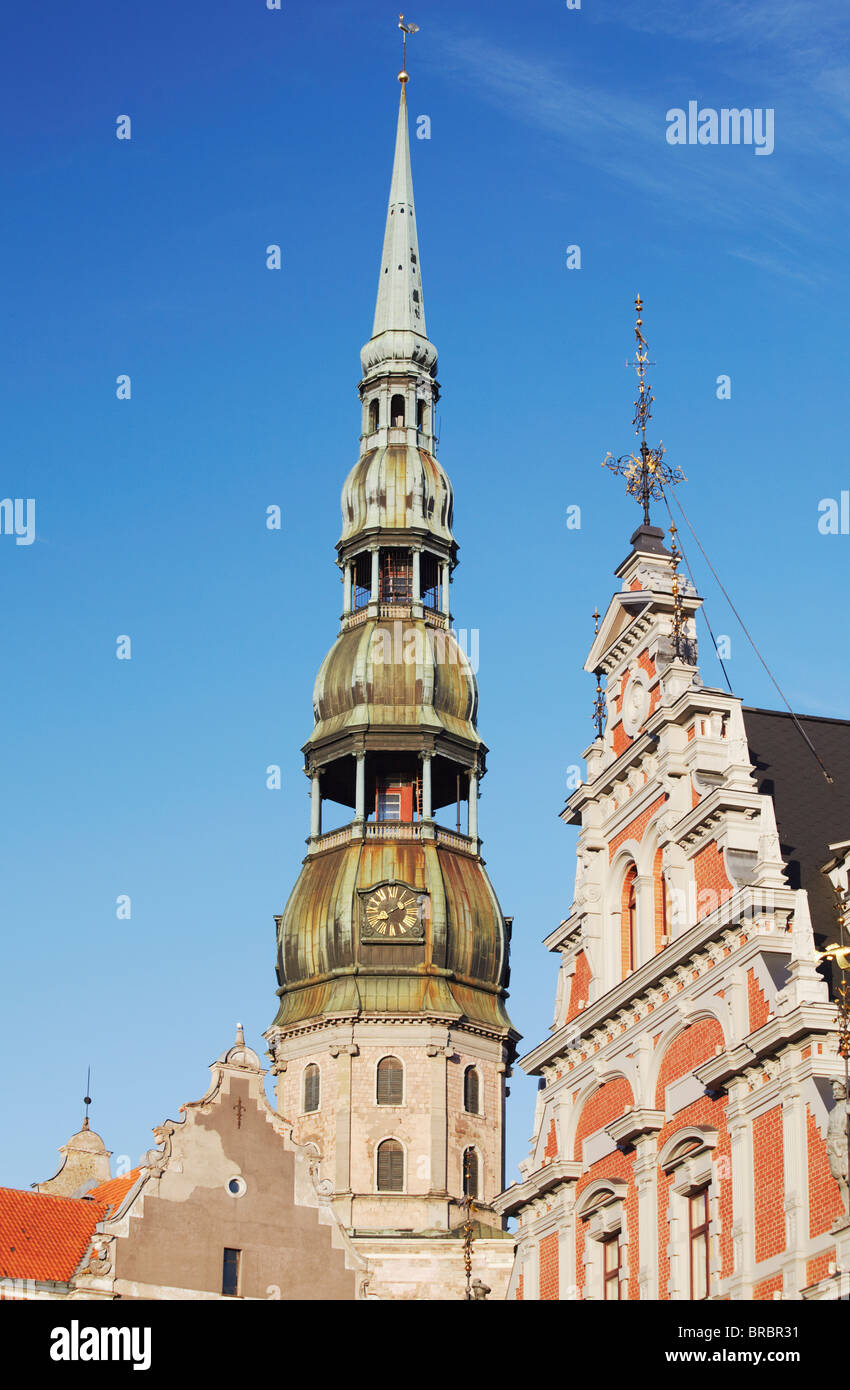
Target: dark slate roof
x=811, y=813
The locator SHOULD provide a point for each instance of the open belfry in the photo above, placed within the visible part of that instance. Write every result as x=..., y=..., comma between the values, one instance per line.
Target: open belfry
x=690, y=1136
x=391, y=1044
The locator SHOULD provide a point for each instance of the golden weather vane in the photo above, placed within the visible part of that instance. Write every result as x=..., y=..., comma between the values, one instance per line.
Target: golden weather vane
x=646, y=473
x=405, y=30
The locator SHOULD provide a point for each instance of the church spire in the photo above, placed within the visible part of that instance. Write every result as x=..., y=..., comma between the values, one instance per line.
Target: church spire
x=399, y=304
x=399, y=343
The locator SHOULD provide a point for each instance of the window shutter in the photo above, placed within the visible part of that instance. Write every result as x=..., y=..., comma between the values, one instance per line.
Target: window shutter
x=390, y=1166
x=471, y=1099
x=311, y=1087
x=390, y=1088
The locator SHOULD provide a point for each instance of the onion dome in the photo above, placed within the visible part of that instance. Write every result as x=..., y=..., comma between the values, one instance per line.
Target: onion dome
x=397, y=487
x=459, y=971
x=396, y=674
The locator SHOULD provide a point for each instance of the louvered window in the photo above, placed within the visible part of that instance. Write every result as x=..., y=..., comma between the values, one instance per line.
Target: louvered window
x=390, y=1087
x=311, y=1087
x=390, y=1166
x=470, y=1173
x=389, y=805
x=471, y=1092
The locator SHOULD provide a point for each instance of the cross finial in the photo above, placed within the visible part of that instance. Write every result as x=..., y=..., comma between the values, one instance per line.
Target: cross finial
x=405, y=30
x=87, y=1099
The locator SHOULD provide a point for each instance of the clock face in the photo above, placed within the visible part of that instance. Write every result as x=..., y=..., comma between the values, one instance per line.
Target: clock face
x=393, y=911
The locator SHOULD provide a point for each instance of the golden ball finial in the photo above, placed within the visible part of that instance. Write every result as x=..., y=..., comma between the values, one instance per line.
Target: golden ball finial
x=403, y=77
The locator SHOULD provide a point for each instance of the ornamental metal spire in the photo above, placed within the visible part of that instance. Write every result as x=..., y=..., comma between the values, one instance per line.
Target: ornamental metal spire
x=647, y=473
x=678, y=621
x=599, y=701
x=399, y=303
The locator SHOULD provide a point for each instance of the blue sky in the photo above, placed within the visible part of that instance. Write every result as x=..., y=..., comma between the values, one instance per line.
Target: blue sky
x=250, y=127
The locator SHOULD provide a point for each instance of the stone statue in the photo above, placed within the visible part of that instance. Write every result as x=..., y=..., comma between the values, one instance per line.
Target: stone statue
x=836, y=1141
x=480, y=1290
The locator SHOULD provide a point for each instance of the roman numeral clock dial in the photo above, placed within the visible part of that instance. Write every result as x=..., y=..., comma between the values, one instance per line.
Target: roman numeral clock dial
x=392, y=913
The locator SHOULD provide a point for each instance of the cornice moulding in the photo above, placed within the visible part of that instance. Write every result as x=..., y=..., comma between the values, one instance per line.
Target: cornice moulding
x=747, y=902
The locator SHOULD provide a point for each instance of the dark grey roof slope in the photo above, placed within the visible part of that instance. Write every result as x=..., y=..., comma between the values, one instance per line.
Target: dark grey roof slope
x=811, y=813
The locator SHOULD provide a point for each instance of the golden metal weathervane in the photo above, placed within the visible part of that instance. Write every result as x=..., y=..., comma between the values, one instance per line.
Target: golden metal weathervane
x=646, y=473
x=405, y=30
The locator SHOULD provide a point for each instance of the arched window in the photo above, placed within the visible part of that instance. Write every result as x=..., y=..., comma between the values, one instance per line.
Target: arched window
x=471, y=1092
x=311, y=1087
x=420, y=415
x=390, y=1166
x=397, y=412
x=390, y=1082
x=629, y=922
x=374, y=415
x=470, y=1173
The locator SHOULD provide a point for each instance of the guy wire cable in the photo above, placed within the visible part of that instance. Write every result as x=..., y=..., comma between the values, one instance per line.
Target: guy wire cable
x=751, y=642
x=704, y=613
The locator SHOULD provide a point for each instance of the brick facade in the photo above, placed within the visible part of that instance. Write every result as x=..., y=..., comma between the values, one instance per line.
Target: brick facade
x=769, y=1183
x=678, y=1116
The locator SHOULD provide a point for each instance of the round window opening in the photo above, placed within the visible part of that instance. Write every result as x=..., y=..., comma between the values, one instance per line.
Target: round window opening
x=236, y=1187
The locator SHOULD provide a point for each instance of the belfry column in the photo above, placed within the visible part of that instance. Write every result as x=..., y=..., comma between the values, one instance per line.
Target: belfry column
x=360, y=787
x=315, y=806
x=427, y=813
x=416, y=585
x=473, y=803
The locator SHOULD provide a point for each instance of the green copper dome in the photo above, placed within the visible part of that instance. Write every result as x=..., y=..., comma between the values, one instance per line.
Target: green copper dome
x=458, y=970
x=395, y=672
x=397, y=487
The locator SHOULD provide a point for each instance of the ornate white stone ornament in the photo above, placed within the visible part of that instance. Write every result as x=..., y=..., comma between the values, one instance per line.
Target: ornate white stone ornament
x=635, y=704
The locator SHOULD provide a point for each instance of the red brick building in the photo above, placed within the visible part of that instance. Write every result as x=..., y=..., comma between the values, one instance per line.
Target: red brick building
x=682, y=1133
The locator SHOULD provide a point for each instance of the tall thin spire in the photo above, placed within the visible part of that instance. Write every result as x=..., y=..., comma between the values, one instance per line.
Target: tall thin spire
x=400, y=304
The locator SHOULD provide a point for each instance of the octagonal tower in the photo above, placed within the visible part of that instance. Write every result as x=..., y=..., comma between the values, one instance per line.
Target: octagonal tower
x=392, y=1043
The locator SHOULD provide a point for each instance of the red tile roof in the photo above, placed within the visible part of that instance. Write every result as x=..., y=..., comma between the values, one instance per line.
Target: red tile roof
x=115, y=1190
x=44, y=1237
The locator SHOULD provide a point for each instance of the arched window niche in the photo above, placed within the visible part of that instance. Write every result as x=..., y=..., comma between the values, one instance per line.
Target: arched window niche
x=390, y=1166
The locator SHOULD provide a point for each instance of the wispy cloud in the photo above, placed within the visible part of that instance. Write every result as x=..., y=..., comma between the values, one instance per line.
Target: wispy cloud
x=623, y=133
